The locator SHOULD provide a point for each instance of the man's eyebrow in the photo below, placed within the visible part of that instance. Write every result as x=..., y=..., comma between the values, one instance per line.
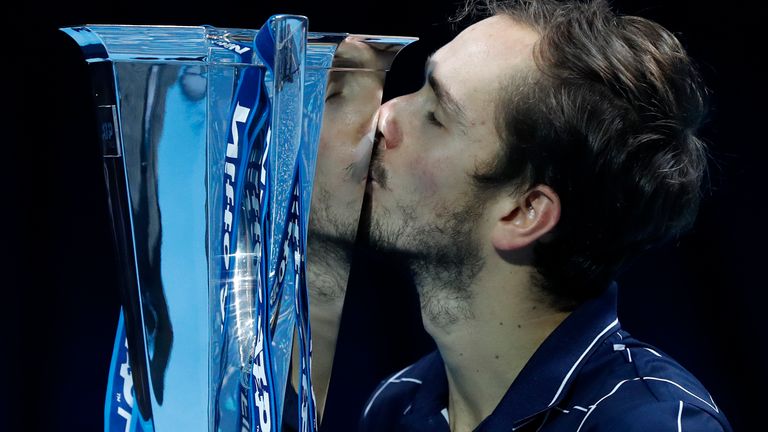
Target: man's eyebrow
x=443, y=96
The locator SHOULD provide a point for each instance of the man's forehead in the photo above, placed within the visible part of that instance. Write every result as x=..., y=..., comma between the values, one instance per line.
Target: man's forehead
x=482, y=59
x=498, y=40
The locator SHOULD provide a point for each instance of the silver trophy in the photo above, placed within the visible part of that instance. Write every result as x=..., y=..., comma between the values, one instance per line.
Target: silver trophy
x=235, y=163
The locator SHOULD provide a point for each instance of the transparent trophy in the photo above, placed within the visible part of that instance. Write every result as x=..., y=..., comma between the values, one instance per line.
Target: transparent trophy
x=235, y=163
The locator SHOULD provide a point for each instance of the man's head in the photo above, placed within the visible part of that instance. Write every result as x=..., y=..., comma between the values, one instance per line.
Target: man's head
x=567, y=148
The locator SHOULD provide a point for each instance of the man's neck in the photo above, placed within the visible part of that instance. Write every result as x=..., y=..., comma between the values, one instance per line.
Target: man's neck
x=484, y=353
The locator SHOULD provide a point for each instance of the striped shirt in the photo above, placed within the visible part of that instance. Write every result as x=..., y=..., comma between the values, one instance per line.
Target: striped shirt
x=588, y=375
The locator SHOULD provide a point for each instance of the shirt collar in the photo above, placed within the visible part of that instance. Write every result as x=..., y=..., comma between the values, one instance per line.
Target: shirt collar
x=546, y=377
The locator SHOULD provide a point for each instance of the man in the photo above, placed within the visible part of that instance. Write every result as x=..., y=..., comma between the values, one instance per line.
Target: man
x=550, y=143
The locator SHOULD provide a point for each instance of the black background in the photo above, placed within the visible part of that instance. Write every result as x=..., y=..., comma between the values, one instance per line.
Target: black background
x=699, y=299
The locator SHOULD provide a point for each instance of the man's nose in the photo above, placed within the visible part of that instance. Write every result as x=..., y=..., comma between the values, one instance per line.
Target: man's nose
x=389, y=124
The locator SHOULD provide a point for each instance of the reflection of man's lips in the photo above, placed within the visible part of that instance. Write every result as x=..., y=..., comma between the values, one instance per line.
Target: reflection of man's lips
x=357, y=171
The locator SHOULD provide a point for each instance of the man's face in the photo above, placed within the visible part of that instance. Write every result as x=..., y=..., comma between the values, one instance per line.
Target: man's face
x=423, y=200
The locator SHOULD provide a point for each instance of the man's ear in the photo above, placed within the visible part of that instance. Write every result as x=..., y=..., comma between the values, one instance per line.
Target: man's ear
x=523, y=219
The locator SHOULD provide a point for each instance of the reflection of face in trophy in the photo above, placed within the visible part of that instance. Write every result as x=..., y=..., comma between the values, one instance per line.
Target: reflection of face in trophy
x=352, y=100
x=353, y=97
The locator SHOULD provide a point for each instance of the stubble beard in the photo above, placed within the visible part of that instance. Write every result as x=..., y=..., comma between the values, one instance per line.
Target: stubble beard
x=330, y=240
x=443, y=255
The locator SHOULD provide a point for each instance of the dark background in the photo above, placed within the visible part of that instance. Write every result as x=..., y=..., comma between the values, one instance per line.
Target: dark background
x=699, y=299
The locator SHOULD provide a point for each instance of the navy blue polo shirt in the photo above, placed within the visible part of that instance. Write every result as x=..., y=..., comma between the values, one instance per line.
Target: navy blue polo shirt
x=588, y=375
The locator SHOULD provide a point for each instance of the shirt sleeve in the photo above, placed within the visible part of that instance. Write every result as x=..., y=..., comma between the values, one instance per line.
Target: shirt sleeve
x=666, y=416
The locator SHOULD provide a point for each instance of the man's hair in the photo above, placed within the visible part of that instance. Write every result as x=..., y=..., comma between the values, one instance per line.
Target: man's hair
x=608, y=120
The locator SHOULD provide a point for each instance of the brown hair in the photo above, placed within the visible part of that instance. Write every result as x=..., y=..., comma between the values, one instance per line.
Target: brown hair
x=609, y=122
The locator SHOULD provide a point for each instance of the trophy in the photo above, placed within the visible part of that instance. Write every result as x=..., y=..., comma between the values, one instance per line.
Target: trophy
x=235, y=163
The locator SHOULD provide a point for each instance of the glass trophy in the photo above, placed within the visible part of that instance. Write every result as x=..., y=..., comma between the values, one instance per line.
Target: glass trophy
x=235, y=162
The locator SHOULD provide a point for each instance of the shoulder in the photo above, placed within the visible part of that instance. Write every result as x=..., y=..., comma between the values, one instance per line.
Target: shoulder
x=632, y=386
x=395, y=394
x=645, y=416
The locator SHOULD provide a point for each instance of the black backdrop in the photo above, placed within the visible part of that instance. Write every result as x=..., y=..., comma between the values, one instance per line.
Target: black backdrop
x=699, y=299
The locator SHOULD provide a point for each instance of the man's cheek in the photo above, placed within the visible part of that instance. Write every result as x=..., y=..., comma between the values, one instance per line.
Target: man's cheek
x=425, y=181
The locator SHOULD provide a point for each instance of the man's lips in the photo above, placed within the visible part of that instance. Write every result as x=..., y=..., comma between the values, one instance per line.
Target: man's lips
x=376, y=172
